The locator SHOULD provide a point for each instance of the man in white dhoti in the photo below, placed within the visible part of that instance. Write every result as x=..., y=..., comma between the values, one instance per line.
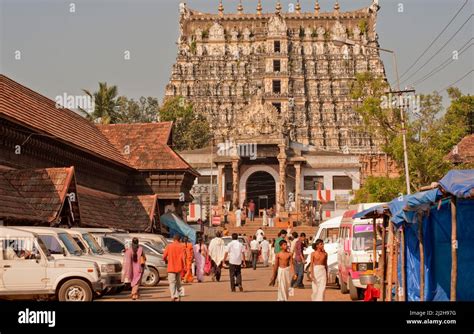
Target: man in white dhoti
x=282, y=271
x=265, y=248
x=319, y=269
x=238, y=217
x=217, y=252
x=259, y=234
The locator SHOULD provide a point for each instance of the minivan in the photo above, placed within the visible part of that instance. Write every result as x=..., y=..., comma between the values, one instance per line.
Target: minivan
x=355, y=253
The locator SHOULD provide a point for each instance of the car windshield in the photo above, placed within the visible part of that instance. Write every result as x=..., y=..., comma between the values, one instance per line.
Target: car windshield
x=93, y=244
x=155, y=246
x=70, y=244
x=43, y=247
x=80, y=244
x=364, y=241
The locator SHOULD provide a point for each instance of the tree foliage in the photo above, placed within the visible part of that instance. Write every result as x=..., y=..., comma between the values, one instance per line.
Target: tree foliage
x=105, y=102
x=379, y=189
x=190, y=131
x=143, y=110
x=111, y=109
x=430, y=132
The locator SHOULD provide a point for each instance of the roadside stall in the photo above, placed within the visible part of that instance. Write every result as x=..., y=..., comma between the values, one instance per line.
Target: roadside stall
x=435, y=241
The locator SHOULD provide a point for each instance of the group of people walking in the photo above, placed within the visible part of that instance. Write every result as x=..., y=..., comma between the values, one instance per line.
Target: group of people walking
x=286, y=254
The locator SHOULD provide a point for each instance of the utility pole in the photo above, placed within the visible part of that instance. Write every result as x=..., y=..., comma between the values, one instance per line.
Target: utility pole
x=210, y=190
x=405, y=151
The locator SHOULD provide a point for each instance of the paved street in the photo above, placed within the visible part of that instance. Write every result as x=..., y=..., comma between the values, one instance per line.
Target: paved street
x=255, y=283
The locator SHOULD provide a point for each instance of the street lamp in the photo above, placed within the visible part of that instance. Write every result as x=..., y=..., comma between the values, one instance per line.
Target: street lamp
x=402, y=116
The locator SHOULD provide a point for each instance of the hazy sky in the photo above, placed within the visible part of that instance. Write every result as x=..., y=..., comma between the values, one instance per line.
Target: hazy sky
x=63, y=52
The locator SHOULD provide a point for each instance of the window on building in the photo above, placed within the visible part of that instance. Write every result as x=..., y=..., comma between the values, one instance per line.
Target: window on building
x=277, y=106
x=276, y=65
x=328, y=206
x=205, y=179
x=276, y=46
x=276, y=86
x=341, y=183
x=312, y=182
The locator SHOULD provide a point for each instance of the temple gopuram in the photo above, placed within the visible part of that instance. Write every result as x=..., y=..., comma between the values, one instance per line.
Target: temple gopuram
x=280, y=81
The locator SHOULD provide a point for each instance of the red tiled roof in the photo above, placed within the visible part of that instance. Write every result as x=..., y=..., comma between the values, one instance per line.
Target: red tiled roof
x=463, y=152
x=145, y=145
x=34, y=194
x=99, y=209
x=22, y=105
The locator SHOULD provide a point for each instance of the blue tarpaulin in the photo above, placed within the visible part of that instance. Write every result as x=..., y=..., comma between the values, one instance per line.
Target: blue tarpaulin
x=435, y=207
x=403, y=208
x=437, y=245
x=459, y=183
x=437, y=238
x=177, y=226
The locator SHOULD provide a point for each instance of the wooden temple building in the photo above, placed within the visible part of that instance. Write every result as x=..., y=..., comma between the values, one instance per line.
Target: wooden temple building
x=58, y=168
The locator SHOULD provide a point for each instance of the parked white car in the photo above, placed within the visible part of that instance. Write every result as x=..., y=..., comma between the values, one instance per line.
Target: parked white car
x=92, y=237
x=158, y=241
x=329, y=233
x=116, y=243
x=61, y=244
x=89, y=245
x=29, y=270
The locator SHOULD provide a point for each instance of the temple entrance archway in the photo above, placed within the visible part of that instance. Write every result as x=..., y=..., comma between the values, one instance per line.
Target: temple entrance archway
x=259, y=183
x=261, y=188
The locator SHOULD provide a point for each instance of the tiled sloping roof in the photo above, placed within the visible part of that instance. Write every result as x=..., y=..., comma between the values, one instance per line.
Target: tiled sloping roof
x=34, y=194
x=99, y=209
x=464, y=152
x=145, y=145
x=13, y=205
x=22, y=105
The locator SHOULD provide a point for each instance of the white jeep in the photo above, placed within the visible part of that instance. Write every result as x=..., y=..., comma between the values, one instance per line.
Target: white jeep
x=27, y=270
x=62, y=245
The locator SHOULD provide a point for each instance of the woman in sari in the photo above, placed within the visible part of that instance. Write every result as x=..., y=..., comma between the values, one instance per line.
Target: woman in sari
x=133, y=266
x=200, y=255
x=189, y=254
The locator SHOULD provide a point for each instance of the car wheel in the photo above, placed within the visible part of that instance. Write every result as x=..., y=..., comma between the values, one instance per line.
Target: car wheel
x=343, y=286
x=353, y=291
x=75, y=290
x=153, y=277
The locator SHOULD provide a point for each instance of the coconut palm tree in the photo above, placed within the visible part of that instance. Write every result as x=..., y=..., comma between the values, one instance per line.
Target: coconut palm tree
x=105, y=104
